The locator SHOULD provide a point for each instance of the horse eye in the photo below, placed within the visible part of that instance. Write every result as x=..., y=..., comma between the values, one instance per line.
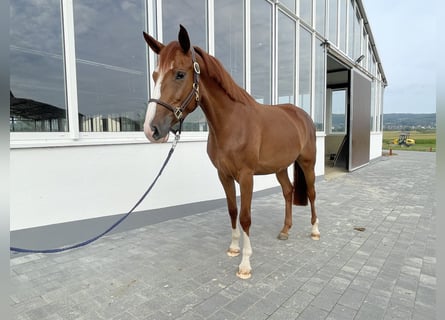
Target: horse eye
x=180, y=75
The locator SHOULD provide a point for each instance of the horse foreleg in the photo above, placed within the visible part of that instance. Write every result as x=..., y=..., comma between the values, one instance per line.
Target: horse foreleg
x=246, y=184
x=228, y=184
x=286, y=186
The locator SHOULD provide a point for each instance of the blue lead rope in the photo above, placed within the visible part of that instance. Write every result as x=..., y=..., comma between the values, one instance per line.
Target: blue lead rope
x=84, y=243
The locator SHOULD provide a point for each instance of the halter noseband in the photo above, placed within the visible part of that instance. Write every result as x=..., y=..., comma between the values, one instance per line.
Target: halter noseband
x=177, y=111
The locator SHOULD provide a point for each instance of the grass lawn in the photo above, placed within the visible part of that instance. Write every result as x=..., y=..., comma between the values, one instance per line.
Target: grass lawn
x=425, y=140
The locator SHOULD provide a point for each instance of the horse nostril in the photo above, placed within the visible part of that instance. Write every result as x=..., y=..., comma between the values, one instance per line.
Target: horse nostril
x=155, y=132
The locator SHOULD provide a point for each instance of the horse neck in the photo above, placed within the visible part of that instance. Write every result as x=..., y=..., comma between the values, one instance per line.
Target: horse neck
x=216, y=104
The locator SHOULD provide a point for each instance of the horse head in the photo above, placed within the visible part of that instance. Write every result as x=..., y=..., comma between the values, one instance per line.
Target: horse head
x=176, y=92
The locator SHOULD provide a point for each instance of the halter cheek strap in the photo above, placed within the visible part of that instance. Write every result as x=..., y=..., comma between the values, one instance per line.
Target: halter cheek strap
x=178, y=111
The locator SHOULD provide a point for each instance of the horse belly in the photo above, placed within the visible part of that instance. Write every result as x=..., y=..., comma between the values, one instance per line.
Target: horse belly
x=269, y=167
x=276, y=159
x=278, y=151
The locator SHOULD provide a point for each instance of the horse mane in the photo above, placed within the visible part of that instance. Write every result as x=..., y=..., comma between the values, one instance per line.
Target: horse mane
x=217, y=72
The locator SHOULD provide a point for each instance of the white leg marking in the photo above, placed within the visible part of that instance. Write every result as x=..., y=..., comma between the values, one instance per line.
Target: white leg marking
x=234, y=249
x=244, y=267
x=315, y=235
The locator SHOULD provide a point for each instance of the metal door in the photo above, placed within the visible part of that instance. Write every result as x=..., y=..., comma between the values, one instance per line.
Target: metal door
x=359, y=121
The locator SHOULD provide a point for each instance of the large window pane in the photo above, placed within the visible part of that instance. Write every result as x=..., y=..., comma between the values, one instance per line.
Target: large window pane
x=351, y=15
x=373, y=65
x=192, y=15
x=320, y=85
x=338, y=106
x=306, y=11
x=343, y=4
x=111, y=65
x=369, y=58
x=373, y=106
x=305, y=52
x=229, y=37
x=289, y=4
x=286, y=59
x=261, y=51
x=333, y=21
x=364, y=49
x=36, y=67
x=357, y=36
x=320, y=16
x=380, y=110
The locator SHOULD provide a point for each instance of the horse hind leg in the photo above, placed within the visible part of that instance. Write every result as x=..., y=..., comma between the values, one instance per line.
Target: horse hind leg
x=308, y=168
x=287, y=188
x=315, y=234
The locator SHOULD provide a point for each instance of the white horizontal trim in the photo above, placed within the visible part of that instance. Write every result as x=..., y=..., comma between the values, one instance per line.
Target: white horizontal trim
x=21, y=140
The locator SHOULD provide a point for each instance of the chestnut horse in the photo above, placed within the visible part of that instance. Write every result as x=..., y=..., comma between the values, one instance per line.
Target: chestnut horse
x=245, y=138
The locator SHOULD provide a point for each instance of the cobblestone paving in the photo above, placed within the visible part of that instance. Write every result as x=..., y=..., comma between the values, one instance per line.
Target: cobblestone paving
x=178, y=269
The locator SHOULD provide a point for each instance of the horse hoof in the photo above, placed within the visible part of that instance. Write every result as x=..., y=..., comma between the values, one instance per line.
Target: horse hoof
x=233, y=252
x=315, y=236
x=244, y=274
x=283, y=236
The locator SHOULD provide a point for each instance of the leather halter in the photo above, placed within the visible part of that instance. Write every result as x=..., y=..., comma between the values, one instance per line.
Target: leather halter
x=178, y=111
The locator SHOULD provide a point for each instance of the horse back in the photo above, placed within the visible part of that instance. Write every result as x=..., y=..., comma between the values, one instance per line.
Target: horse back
x=292, y=121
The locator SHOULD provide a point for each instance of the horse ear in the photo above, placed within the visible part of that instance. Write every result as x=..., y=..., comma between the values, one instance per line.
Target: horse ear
x=184, y=39
x=154, y=44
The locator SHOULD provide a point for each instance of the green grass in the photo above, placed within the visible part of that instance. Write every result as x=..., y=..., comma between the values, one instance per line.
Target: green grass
x=425, y=140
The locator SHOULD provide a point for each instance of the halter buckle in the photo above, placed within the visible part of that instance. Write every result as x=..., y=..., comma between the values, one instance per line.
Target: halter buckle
x=196, y=67
x=196, y=89
x=178, y=113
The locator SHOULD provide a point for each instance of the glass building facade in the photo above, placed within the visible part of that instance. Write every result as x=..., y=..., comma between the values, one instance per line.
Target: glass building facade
x=81, y=68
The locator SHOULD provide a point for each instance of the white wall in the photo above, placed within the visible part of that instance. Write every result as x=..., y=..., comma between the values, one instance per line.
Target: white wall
x=319, y=165
x=376, y=145
x=62, y=184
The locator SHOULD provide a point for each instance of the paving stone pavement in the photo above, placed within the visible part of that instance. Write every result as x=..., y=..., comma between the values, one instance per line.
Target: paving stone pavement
x=178, y=269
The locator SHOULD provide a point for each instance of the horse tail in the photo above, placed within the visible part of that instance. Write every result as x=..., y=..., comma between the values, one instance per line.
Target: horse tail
x=300, y=187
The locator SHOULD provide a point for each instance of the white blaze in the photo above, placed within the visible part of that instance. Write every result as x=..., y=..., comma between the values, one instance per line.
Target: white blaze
x=151, y=109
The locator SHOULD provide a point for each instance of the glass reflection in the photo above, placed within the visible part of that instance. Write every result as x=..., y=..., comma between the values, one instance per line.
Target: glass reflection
x=320, y=85
x=333, y=21
x=229, y=37
x=111, y=77
x=338, y=100
x=192, y=15
x=343, y=6
x=351, y=29
x=290, y=4
x=320, y=16
x=261, y=52
x=286, y=59
x=305, y=53
x=306, y=11
x=37, y=86
x=357, y=36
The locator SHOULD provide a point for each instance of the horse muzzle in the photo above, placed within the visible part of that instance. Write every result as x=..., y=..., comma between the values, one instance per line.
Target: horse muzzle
x=155, y=133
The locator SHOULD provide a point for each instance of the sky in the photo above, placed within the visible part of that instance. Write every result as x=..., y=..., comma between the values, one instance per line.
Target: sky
x=404, y=32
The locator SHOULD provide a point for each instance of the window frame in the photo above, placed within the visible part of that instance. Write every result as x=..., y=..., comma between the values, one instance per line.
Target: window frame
x=73, y=136
x=153, y=23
